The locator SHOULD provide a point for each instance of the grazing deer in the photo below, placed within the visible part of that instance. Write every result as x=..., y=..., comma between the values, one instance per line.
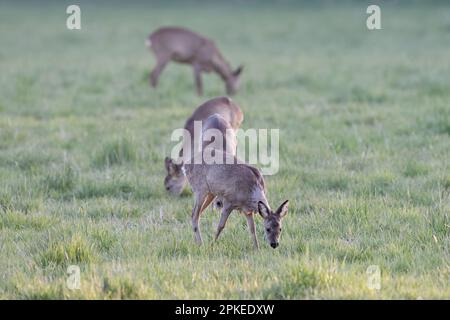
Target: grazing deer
x=184, y=46
x=240, y=187
x=175, y=180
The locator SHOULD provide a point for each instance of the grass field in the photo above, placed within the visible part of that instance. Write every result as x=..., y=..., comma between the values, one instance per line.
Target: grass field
x=364, y=159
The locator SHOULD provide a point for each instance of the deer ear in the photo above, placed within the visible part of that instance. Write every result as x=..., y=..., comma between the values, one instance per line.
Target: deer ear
x=263, y=210
x=169, y=165
x=283, y=209
x=238, y=71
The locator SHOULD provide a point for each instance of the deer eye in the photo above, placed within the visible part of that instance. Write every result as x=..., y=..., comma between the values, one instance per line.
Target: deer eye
x=268, y=229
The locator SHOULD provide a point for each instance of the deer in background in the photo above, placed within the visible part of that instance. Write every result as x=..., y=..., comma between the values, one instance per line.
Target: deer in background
x=184, y=46
x=175, y=181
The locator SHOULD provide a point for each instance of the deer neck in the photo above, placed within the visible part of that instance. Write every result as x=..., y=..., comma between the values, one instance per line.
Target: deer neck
x=257, y=195
x=223, y=69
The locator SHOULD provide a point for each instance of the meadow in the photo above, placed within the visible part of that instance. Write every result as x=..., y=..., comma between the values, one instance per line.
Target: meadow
x=364, y=120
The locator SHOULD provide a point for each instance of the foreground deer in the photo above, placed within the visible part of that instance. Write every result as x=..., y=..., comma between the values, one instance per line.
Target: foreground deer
x=184, y=46
x=175, y=180
x=240, y=187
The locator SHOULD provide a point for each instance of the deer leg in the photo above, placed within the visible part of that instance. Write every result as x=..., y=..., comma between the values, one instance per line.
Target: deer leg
x=198, y=80
x=223, y=220
x=251, y=227
x=196, y=216
x=154, y=75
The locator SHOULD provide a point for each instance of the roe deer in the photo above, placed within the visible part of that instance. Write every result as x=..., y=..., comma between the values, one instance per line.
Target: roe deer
x=240, y=187
x=184, y=46
x=175, y=181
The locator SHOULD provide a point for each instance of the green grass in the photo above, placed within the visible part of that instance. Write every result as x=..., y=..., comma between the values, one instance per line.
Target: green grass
x=364, y=152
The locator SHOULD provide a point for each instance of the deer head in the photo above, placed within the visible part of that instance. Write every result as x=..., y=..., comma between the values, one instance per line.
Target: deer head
x=175, y=180
x=272, y=221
